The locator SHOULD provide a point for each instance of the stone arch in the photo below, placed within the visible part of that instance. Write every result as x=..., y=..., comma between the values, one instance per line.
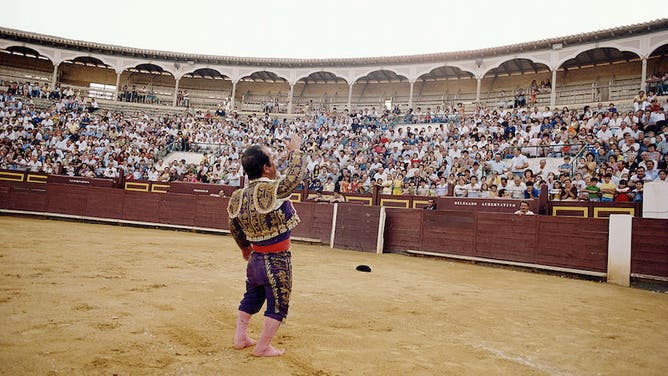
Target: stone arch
x=602, y=47
x=206, y=72
x=458, y=68
x=34, y=50
x=386, y=70
x=445, y=71
x=89, y=61
x=84, y=70
x=329, y=75
x=264, y=75
x=27, y=63
x=521, y=64
x=156, y=67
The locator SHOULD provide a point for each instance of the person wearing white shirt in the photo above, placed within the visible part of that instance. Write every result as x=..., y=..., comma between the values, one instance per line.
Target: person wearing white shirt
x=519, y=163
x=473, y=188
x=516, y=187
x=604, y=133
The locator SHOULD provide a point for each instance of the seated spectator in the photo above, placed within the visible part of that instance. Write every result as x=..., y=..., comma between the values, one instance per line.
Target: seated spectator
x=568, y=191
x=460, y=188
x=338, y=197
x=319, y=197
x=516, y=188
x=531, y=192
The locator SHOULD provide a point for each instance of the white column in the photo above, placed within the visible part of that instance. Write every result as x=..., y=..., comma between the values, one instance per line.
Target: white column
x=643, y=74
x=350, y=96
x=54, y=78
x=380, y=239
x=619, y=249
x=553, y=93
x=410, y=95
x=292, y=87
x=477, y=89
x=176, y=91
x=234, y=94
x=118, y=83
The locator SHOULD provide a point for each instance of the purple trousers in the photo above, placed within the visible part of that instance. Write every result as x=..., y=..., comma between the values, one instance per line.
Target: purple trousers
x=268, y=277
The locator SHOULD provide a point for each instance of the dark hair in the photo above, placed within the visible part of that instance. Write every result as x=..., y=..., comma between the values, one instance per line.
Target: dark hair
x=253, y=160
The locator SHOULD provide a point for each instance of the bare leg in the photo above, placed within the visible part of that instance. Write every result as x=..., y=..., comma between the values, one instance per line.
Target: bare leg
x=241, y=338
x=264, y=347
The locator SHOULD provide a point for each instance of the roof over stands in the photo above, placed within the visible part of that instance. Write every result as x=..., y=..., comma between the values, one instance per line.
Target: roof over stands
x=264, y=76
x=322, y=77
x=382, y=75
x=661, y=51
x=208, y=73
x=446, y=72
x=25, y=51
x=599, y=56
x=571, y=40
x=517, y=66
x=89, y=61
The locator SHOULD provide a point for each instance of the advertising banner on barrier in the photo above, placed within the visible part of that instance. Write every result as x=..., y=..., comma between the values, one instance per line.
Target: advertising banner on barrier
x=483, y=204
x=79, y=180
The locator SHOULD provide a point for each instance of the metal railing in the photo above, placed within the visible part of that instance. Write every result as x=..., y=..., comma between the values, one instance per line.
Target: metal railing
x=614, y=90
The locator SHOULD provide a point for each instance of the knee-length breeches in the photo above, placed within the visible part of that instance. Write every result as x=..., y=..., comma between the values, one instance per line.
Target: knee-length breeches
x=268, y=277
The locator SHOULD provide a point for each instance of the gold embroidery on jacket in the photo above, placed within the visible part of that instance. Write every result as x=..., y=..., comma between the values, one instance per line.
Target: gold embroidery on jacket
x=255, y=206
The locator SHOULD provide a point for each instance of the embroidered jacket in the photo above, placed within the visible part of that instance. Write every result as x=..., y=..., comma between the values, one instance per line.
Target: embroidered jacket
x=262, y=213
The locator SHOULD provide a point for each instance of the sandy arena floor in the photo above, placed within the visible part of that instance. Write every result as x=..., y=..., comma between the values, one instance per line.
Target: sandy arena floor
x=100, y=299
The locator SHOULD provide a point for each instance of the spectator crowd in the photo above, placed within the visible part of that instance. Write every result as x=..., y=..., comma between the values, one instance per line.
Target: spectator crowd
x=606, y=154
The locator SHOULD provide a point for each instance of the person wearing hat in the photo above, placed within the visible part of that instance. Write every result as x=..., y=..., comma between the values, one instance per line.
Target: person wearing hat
x=261, y=220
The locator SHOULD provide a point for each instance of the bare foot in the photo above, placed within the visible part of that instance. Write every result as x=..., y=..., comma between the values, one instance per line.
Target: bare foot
x=243, y=343
x=268, y=351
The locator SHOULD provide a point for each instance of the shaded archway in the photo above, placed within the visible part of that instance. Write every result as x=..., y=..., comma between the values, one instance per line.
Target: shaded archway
x=263, y=91
x=380, y=89
x=147, y=83
x=443, y=86
x=88, y=75
x=519, y=77
x=320, y=90
x=598, y=74
x=23, y=64
x=657, y=66
x=207, y=87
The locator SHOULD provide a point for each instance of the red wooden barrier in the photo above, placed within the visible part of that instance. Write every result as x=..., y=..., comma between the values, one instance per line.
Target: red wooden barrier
x=449, y=232
x=316, y=221
x=576, y=243
x=561, y=242
x=212, y=212
x=66, y=199
x=27, y=198
x=649, y=247
x=176, y=209
x=4, y=196
x=141, y=206
x=78, y=180
x=357, y=227
x=403, y=229
x=584, y=209
x=104, y=203
x=506, y=237
x=579, y=243
x=198, y=188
